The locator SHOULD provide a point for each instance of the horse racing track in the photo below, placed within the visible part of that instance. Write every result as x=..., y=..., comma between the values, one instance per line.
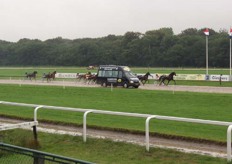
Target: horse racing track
x=172, y=88
x=187, y=146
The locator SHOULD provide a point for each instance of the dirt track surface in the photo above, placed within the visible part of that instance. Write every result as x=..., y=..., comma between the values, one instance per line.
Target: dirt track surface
x=211, y=149
x=172, y=88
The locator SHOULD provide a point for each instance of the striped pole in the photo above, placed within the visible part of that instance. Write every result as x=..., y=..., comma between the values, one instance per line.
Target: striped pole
x=207, y=54
x=230, y=56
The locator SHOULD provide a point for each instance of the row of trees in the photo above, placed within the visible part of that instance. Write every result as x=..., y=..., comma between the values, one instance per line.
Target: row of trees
x=156, y=48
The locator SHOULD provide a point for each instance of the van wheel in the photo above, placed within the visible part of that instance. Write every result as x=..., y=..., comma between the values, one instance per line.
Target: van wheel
x=125, y=85
x=104, y=84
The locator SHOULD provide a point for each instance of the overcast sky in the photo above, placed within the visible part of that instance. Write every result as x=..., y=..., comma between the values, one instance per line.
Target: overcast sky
x=71, y=19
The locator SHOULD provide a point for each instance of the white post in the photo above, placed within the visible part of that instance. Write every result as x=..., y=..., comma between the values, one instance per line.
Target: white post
x=207, y=55
x=20, y=82
x=35, y=112
x=230, y=57
x=84, y=124
x=147, y=131
x=229, y=143
x=63, y=85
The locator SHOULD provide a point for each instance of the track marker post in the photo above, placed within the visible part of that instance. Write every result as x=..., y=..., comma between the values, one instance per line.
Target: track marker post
x=63, y=85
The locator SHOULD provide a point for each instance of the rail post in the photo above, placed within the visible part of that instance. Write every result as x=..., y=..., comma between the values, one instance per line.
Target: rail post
x=35, y=119
x=35, y=112
x=85, y=124
x=229, y=143
x=147, y=131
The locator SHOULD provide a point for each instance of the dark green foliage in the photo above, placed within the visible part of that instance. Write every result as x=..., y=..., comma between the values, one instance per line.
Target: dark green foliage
x=155, y=48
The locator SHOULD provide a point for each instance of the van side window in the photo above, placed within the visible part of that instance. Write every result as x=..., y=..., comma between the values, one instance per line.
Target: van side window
x=101, y=73
x=119, y=74
x=108, y=74
x=115, y=74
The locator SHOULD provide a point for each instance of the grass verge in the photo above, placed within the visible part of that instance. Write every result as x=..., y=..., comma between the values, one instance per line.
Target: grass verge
x=104, y=151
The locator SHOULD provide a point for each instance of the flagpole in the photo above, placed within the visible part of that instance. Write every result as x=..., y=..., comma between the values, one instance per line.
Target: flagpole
x=207, y=55
x=230, y=56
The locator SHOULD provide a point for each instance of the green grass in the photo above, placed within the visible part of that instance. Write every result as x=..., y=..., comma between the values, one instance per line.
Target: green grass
x=181, y=104
x=103, y=151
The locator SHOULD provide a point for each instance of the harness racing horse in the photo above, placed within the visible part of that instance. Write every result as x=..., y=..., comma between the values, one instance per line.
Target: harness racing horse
x=84, y=77
x=168, y=78
x=49, y=76
x=91, y=78
x=90, y=67
x=31, y=75
x=81, y=76
x=144, y=78
x=53, y=75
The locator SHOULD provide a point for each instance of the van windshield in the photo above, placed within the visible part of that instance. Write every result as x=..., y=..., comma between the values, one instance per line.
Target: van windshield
x=129, y=74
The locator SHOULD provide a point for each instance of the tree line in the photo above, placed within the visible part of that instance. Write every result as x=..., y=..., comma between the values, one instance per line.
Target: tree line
x=155, y=48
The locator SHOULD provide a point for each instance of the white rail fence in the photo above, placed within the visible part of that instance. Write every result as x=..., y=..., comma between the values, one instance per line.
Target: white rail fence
x=147, y=116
